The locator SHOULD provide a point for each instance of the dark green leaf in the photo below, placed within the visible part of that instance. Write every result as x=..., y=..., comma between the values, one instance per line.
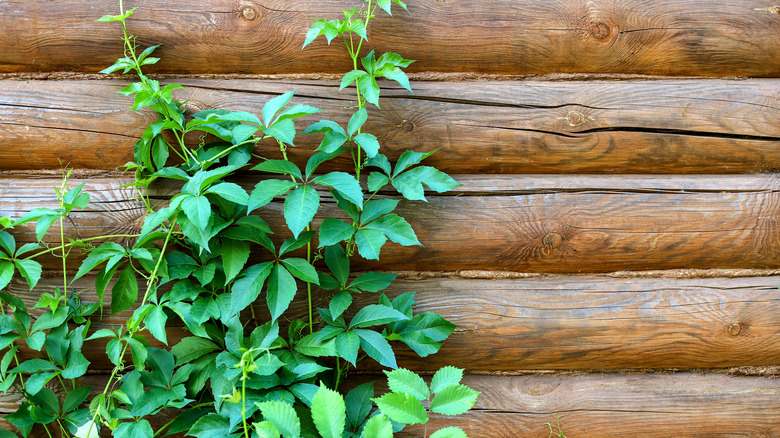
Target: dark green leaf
x=235, y=254
x=125, y=291
x=338, y=262
x=247, y=288
x=302, y=269
x=377, y=347
x=377, y=208
x=347, y=346
x=333, y=231
x=376, y=314
x=75, y=398
x=281, y=291
x=211, y=426
x=395, y=228
x=339, y=303
x=280, y=167
x=344, y=183
x=313, y=163
x=373, y=281
x=312, y=345
x=300, y=206
x=191, y=348
x=155, y=322
x=50, y=319
x=265, y=191
x=7, y=244
x=294, y=243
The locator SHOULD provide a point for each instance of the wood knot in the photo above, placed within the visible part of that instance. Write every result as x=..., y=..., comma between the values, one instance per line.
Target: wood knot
x=407, y=126
x=734, y=328
x=601, y=31
x=552, y=241
x=575, y=118
x=248, y=13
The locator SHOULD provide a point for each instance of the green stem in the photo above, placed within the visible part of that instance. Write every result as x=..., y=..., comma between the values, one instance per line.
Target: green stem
x=308, y=287
x=89, y=239
x=243, y=402
x=338, y=374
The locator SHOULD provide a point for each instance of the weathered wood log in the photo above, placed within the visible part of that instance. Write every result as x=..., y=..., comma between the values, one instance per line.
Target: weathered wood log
x=665, y=126
x=564, y=224
x=555, y=323
x=598, y=405
x=664, y=37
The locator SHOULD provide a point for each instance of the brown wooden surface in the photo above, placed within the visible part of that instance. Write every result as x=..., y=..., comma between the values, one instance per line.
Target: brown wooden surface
x=563, y=224
x=664, y=126
x=661, y=37
x=556, y=323
x=601, y=405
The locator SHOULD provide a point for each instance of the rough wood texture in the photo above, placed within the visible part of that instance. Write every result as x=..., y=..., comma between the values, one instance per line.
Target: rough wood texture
x=558, y=323
x=600, y=405
x=562, y=224
x=662, y=37
x=664, y=126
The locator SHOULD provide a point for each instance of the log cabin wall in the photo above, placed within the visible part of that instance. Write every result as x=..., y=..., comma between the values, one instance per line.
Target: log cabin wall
x=614, y=251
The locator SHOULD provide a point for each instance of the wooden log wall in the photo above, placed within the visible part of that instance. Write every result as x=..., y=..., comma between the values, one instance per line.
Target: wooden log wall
x=620, y=195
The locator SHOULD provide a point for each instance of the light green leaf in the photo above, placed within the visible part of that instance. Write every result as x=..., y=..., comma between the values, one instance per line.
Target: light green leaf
x=302, y=269
x=282, y=130
x=274, y=105
x=395, y=228
x=403, y=380
x=351, y=77
x=410, y=183
x=347, y=346
x=265, y=429
x=235, y=254
x=449, y=432
x=373, y=281
x=7, y=244
x=396, y=74
x=283, y=416
x=454, y=400
x=265, y=191
x=99, y=255
x=403, y=408
x=125, y=291
x=339, y=303
x=369, y=243
x=230, y=192
x=444, y=377
x=280, y=167
x=281, y=291
x=198, y=210
x=368, y=142
x=300, y=206
x=369, y=89
x=312, y=345
x=50, y=319
x=36, y=381
x=378, y=426
x=328, y=412
x=357, y=121
x=376, y=181
x=344, y=183
x=247, y=288
x=191, y=348
x=6, y=273
x=377, y=347
x=210, y=426
x=333, y=231
x=30, y=270
x=155, y=322
x=376, y=314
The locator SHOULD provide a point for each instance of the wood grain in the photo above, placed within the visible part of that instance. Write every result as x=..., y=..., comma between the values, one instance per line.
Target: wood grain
x=600, y=405
x=664, y=126
x=563, y=224
x=554, y=323
x=662, y=37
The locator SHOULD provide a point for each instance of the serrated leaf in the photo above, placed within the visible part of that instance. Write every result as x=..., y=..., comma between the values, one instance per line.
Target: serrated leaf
x=247, y=288
x=7, y=244
x=6, y=273
x=124, y=293
x=376, y=314
x=395, y=228
x=274, y=105
x=235, y=254
x=97, y=256
x=369, y=143
x=283, y=416
x=339, y=303
x=338, y=262
x=280, y=167
x=369, y=89
x=345, y=184
x=294, y=243
x=444, y=377
x=328, y=412
x=373, y=281
x=281, y=291
x=347, y=346
x=198, y=210
x=403, y=408
x=75, y=398
x=191, y=348
x=155, y=321
x=282, y=130
x=301, y=269
x=449, y=432
x=410, y=183
x=333, y=231
x=351, y=77
x=403, y=380
x=230, y=192
x=265, y=191
x=378, y=426
x=210, y=426
x=265, y=429
x=374, y=209
x=377, y=347
x=30, y=270
x=357, y=121
x=300, y=206
x=369, y=243
x=454, y=400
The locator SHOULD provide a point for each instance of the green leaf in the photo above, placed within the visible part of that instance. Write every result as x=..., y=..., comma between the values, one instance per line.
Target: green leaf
x=317, y=29
x=408, y=159
x=328, y=412
x=230, y=192
x=338, y=262
x=247, y=288
x=449, y=432
x=376, y=314
x=294, y=243
x=446, y=376
x=359, y=404
x=155, y=322
x=369, y=143
x=369, y=243
x=372, y=281
x=312, y=345
x=264, y=336
x=283, y=416
x=6, y=273
x=75, y=398
x=378, y=426
x=36, y=340
x=125, y=291
x=191, y=348
x=282, y=130
x=376, y=181
x=377, y=208
x=265, y=191
x=402, y=408
x=198, y=210
x=36, y=381
x=347, y=346
x=97, y=256
x=357, y=121
x=345, y=184
x=300, y=206
x=454, y=400
x=50, y=319
x=235, y=254
x=272, y=107
x=339, y=303
x=266, y=429
x=377, y=347
x=210, y=426
x=281, y=291
x=333, y=231
x=30, y=270
x=314, y=162
x=395, y=228
x=350, y=78
x=36, y=365
x=7, y=244
x=409, y=184
x=403, y=380
x=396, y=74
x=302, y=269
x=369, y=89
x=280, y=167
x=138, y=351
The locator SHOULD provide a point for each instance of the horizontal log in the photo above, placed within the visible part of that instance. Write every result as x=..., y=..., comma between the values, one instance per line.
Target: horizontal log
x=663, y=37
x=664, y=126
x=555, y=323
x=564, y=224
x=601, y=405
